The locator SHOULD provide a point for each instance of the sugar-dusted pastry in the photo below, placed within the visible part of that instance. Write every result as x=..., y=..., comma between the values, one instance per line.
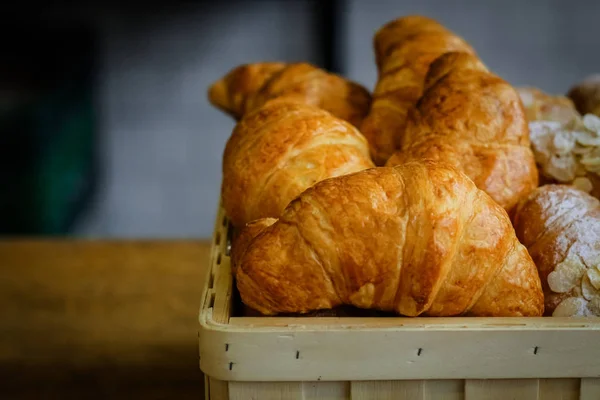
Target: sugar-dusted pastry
x=404, y=48
x=475, y=121
x=281, y=149
x=416, y=239
x=560, y=226
x=568, y=152
x=249, y=86
x=541, y=106
x=586, y=95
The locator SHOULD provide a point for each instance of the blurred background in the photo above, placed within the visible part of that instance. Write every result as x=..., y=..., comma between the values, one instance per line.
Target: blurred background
x=106, y=130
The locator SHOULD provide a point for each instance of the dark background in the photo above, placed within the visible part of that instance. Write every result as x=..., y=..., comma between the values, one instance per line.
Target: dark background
x=105, y=126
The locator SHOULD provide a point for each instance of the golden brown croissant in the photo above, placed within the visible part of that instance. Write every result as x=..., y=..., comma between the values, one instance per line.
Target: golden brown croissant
x=475, y=121
x=233, y=91
x=281, y=149
x=560, y=226
x=245, y=236
x=249, y=86
x=417, y=239
x=404, y=48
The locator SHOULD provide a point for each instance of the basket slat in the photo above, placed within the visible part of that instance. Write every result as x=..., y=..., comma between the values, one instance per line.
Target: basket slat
x=302, y=354
x=223, y=281
x=326, y=390
x=219, y=390
x=534, y=389
x=449, y=389
x=590, y=389
x=559, y=389
x=387, y=390
x=266, y=391
x=517, y=389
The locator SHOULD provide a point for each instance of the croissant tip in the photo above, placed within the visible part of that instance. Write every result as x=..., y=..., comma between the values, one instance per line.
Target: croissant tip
x=216, y=90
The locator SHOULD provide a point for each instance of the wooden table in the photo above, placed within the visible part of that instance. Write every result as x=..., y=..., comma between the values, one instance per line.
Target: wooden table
x=89, y=319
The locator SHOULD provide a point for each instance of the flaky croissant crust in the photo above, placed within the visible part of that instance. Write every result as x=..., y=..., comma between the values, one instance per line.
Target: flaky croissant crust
x=475, y=121
x=249, y=86
x=404, y=48
x=417, y=239
x=278, y=151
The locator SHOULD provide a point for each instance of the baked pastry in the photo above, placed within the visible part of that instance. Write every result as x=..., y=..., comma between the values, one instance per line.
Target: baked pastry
x=281, y=149
x=404, y=48
x=475, y=121
x=560, y=226
x=417, y=239
x=244, y=236
x=250, y=86
x=541, y=106
x=546, y=114
x=586, y=95
x=566, y=145
x=232, y=93
x=568, y=152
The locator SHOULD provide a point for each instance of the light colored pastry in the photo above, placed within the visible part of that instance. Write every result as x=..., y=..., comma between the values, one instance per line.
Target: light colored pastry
x=566, y=145
x=281, y=149
x=545, y=109
x=586, y=95
x=404, y=48
x=417, y=239
x=250, y=86
x=560, y=226
x=475, y=121
x=568, y=152
x=541, y=106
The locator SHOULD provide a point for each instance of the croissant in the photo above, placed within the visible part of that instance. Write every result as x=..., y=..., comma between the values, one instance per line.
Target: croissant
x=243, y=237
x=404, y=48
x=560, y=226
x=475, y=121
x=249, y=86
x=281, y=149
x=416, y=239
x=232, y=92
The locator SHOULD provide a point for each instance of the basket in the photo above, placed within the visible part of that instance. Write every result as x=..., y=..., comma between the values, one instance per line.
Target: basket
x=268, y=358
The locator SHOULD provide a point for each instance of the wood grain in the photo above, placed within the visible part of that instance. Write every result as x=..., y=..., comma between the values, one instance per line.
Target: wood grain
x=288, y=391
x=590, y=389
x=326, y=390
x=218, y=390
x=515, y=389
x=449, y=389
x=97, y=319
x=387, y=390
x=265, y=391
x=559, y=389
x=502, y=389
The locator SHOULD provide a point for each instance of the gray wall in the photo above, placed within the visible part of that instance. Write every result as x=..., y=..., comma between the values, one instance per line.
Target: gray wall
x=546, y=43
x=162, y=142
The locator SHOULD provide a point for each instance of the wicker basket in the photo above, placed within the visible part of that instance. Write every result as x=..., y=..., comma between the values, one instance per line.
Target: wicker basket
x=379, y=358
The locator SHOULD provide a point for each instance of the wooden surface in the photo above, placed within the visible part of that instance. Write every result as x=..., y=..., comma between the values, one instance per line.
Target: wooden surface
x=83, y=319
